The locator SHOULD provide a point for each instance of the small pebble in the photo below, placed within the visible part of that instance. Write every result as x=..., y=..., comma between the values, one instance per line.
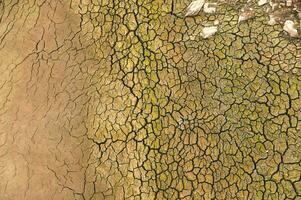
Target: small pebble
x=209, y=31
x=210, y=7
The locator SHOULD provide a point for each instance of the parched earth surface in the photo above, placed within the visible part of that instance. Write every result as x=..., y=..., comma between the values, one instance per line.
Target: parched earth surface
x=122, y=99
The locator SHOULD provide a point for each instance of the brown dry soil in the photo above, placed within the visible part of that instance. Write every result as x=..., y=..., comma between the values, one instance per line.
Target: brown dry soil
x=122, y=99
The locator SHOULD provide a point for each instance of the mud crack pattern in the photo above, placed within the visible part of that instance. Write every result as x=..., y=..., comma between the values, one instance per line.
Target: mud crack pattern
x=125, y=100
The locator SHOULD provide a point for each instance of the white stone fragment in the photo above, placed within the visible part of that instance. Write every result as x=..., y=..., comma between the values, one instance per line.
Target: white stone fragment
x=210, y=7
x=194, y=7
x=290, y=29
x=209, y=31
x=262, y=2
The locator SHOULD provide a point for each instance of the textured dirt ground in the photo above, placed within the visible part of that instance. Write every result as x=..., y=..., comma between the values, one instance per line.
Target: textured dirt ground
x=119, y=99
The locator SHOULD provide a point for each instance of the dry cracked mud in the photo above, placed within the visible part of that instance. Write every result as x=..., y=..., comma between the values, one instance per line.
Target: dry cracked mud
x=123, y=99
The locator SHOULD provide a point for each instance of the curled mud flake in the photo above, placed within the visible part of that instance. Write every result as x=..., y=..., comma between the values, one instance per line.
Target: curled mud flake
x=262, y=2
x=289, y=27
x=209, y=31
x=299, y=15
x=273, y=5
x=272, y=20
x=246, y=14
x=194, y=7
x=210, y=7
x=289, y=2
x=283, y=14
x=192, y=37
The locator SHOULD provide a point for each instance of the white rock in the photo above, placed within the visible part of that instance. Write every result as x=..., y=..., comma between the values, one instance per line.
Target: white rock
x=210, y=7
x=194, y=7
x=289, y=28
x=209, y=31
x=262, y=2
x=216, y=22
